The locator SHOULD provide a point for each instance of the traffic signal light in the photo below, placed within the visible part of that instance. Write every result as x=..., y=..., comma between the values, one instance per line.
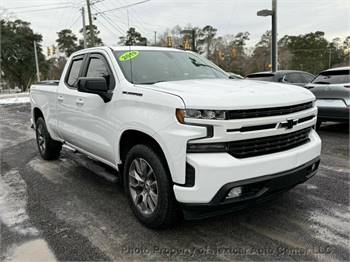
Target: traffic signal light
x=233, y=53
x=48, y=51
x=169, y=40
x=53, y=50
x=221, y=55
x=187, y=44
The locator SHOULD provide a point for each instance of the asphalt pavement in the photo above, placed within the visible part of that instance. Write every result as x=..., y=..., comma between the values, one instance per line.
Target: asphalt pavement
x=62, y=210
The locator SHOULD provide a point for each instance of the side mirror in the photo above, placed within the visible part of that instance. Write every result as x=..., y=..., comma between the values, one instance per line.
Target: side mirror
x=95, y=85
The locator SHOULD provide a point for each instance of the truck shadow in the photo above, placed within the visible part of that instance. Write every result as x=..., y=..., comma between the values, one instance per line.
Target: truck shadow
x=334, y=127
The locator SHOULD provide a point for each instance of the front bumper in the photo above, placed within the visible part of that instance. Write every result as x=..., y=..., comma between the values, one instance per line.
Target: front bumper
x=215, y=170
x=267, y=187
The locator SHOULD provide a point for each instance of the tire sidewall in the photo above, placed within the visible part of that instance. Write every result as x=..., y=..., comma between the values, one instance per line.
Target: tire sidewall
x=41, y=122
x=164, y=189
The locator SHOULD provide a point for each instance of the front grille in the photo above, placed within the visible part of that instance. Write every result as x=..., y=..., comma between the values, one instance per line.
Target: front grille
x=264, y=112
x=268, y=145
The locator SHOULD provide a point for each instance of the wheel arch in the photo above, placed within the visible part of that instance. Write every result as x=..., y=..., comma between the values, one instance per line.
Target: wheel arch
x=36, y=114
x=132, y=137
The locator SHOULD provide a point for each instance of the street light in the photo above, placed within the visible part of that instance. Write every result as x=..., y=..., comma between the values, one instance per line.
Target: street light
x=273, y=14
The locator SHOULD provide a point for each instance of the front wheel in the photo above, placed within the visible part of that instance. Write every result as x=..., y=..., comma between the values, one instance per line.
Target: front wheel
x=149, y=188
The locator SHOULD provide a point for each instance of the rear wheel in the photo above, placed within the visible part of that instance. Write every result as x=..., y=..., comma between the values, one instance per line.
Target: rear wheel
x=49, y=149
x=149, y=188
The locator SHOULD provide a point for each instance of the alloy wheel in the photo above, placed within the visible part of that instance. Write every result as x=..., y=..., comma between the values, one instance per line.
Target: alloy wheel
x=41, y=138
x=143, y=186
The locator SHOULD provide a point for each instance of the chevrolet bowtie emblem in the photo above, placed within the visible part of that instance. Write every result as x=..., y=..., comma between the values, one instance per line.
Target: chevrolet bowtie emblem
x=289, y=123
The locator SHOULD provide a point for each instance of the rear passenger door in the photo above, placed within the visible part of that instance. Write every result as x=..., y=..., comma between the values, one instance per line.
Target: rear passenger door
x=67, y=96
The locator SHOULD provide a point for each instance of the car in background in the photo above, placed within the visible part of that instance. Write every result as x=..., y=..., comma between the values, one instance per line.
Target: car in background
x=294, y=77
x=332, y=90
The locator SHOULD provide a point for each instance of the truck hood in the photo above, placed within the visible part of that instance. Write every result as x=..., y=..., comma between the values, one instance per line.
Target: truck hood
x=233, y=94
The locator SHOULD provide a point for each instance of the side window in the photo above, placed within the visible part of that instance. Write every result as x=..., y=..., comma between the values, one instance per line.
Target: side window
x=98, y=68
x=73, y=74
x=293, y=78
x=307, y=78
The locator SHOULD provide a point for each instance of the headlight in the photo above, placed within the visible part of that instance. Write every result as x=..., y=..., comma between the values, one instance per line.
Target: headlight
x=181, y=114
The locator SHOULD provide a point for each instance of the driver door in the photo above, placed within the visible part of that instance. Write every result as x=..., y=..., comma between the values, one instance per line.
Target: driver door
x=97, y=131
x=84, y=120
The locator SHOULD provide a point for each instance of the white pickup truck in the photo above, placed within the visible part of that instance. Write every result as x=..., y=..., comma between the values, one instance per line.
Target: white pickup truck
x=183, y=137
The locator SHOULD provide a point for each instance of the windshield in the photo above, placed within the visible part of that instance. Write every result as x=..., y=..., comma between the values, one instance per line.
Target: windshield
x=149, y=67
x=333, y=77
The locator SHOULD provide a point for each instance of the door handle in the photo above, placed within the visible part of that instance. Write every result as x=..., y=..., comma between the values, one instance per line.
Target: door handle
x=60, y=99
x=79, y=102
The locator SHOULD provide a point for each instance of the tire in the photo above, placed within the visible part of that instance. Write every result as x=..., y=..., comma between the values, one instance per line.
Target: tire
x=49, y=149
x=318, y=124
x=143, y=160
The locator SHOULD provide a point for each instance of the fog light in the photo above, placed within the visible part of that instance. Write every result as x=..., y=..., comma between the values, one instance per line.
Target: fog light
x=234, y=192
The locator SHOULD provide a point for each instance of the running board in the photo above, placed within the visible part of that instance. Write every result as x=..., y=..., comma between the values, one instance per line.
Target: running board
x=96, y=167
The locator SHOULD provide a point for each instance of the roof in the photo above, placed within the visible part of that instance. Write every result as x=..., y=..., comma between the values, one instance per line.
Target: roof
x=127, y=48
x=277, y=72
x=154, y=48
x=338, y=68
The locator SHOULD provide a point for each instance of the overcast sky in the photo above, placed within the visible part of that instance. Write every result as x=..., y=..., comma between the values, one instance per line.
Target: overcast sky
x=228, y=16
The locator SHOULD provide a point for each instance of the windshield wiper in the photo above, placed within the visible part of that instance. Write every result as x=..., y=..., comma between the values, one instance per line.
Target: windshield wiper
x=195, y=62
x=152, y=83
x=321, y=82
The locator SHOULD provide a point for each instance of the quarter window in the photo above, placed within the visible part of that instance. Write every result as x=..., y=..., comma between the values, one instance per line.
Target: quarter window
x=74, y=72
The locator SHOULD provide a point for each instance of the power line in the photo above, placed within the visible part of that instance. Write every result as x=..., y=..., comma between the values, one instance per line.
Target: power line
x=136, y=20
x=75, y=21
x=45, y=9
x=42, y=5
x=123, y=7
x=110, y=21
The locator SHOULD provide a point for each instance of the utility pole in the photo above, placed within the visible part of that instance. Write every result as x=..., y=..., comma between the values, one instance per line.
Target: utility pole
x=194, y=40
x=155, y=38
x=273, y=14
x=92, y=37
x=274, y=36
x=84, y=26
x=330, y=58
x=36, y=63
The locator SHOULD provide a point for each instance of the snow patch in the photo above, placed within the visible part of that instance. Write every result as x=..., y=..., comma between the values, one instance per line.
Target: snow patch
x=14, y=100
x=334, y=228
x=312, y=187
x=13, y=201
x=54, y=171
x=34, y=250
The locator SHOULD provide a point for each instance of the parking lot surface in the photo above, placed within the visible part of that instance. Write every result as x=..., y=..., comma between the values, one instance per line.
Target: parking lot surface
x=61, y=210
